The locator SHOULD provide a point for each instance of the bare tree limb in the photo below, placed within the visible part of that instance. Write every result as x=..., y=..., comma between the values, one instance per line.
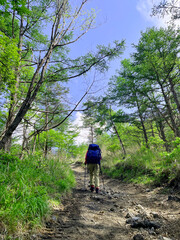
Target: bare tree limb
x=58, y=124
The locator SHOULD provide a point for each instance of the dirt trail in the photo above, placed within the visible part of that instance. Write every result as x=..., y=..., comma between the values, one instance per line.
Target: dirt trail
x=120, y=212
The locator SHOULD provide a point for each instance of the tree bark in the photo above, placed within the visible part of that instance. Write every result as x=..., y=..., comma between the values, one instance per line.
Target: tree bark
x=174, y=94
x=116, y=131
x=46, y=124
x=34, y=144
x=25, y=140
x=28, y=100
x=13, y=101
x=162, y=133
x=120, y=140
x=169, y=110
x=91, y=134
x=152, y=130
x=142, y=123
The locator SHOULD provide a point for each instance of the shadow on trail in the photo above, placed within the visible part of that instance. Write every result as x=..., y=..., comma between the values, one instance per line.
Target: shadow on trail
x=73, y=223
x=89, y=216
x=85, y=215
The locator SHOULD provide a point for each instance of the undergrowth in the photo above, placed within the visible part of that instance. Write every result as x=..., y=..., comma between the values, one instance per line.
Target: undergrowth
x=146, y=167
x=28, y=187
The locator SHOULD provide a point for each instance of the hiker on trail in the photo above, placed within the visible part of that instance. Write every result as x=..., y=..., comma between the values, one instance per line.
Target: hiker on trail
x=92, y=159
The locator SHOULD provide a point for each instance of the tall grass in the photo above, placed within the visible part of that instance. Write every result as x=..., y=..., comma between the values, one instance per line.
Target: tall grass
x=26, y=189
x=145, y=166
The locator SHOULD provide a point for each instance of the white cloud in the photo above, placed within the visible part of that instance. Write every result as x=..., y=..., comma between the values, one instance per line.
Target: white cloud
x=145, y=8
x=18, y=133
x=83, y=132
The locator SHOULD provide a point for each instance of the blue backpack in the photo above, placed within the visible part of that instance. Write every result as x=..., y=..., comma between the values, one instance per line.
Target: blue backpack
x=93, y=154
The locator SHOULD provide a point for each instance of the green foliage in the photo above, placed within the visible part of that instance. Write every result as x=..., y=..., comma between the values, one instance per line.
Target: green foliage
x=61, y=141
x=57, y=175
x=9, y=60
x=2, y=118
x=5, y=23
x=147, y=84
x=44, y=59
x=28, y=187
x=18, y=5
x=174, y=155
x=79, y=153
x=146, y=166
x=6, y=158
x=156, y=142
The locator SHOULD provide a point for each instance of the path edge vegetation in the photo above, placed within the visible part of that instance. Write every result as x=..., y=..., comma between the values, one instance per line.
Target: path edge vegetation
x=147, y=167
x=30, y=189
x=32, y=186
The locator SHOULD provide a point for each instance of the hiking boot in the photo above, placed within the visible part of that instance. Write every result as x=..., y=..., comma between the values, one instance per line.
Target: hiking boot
x=92, y=188
x=97, y=190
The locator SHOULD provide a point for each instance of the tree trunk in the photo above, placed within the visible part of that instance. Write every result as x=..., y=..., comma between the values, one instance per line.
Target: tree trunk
x=174, y=94
x=25, y=140
x=92, y=134
x=46, y=147
x=34, y=144
x=32, y=92
x=14, y=93
x=162, y=134
x=160, y=114
x=116, y=131
x=152, y=130
x=142, y=124
x=145, y=133
x=120, y=140
x=170, y=113
x=46, y=124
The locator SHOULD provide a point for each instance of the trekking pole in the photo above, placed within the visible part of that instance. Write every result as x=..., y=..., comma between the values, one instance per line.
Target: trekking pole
x=101, y=176
x=85, y=174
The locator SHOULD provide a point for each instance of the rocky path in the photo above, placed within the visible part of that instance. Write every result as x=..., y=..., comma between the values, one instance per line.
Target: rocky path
x=120, y=212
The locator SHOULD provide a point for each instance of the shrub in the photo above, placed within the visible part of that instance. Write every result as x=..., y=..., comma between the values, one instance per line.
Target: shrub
x=147, y=166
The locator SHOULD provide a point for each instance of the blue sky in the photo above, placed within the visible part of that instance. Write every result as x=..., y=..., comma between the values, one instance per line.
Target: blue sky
x=116, y=20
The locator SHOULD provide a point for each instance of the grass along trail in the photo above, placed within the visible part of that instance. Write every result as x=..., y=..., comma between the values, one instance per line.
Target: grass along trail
x=120, y=212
